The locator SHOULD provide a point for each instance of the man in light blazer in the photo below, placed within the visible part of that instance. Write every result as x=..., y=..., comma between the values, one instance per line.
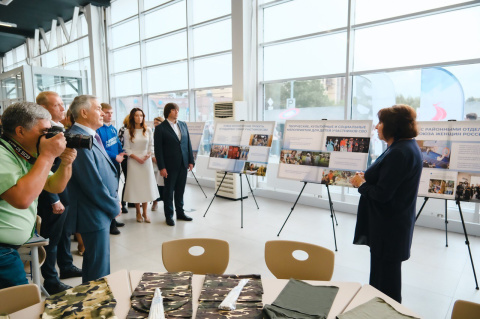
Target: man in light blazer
x=173, y=151
x=93, y=189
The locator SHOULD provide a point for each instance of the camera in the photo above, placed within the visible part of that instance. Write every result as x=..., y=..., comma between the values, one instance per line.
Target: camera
x=73, y=140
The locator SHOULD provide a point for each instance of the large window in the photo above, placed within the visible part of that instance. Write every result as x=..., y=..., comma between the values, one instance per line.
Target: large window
x=318, y=61
x=167, y=51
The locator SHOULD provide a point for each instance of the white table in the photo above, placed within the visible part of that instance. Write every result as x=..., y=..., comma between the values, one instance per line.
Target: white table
x=271, y=289
x=368, y=292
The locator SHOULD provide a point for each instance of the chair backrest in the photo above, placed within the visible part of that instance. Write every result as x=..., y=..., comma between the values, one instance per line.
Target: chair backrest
x=463, y=309
x=18, y=297
x=214, y=260
x=38, y=224
x=283, y=265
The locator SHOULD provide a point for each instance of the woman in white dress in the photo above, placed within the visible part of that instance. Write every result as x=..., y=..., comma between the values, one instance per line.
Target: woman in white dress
x=141, y=186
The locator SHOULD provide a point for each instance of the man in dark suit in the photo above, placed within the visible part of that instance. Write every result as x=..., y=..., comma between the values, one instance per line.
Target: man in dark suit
x=173, y=151
x=93, y=190
x=53, y=209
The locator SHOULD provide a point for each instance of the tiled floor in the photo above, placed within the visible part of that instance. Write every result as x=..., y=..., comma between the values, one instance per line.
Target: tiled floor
x=433, y=278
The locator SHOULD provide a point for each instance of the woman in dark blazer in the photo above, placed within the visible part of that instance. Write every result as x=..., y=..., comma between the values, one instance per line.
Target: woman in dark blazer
x=386, y=211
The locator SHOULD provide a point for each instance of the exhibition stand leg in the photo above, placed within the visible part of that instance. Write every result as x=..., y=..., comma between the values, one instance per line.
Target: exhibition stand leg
x=199, y=184
x=446, y=224
x=425, y=200
x=467, y=243
x=215, y=195
x=332, y=214
x=251, y=190
x=304, y=184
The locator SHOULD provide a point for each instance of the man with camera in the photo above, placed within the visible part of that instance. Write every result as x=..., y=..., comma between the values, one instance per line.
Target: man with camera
x=26, y=158
x=93, y=189
x=53, y=208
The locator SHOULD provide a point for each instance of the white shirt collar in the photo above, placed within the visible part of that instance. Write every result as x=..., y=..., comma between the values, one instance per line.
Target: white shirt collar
x=89, y=130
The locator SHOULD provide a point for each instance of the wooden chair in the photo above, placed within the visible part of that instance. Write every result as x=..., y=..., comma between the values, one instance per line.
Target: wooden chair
x=176, y=256
x=463, y=309
x=18, y=297
x=283, y=265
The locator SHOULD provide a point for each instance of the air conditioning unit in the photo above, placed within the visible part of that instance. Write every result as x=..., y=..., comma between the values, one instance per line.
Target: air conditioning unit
x=230, y=111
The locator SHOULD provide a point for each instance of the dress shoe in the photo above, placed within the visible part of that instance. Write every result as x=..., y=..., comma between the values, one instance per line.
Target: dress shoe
x=114, y=230
x=55, y=287
x=124, y=210
x=146, y=219
x=184, y=217
x=71, y=272
x=119, y=224
x=170, y=222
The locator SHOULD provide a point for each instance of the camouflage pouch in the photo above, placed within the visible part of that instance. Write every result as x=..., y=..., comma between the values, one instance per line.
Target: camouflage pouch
x=216, y=288
x=93, y=299
x=176, y=292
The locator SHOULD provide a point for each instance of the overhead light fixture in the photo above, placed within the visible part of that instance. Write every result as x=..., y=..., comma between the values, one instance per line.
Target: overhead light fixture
x=8, y=24
x=5, y=2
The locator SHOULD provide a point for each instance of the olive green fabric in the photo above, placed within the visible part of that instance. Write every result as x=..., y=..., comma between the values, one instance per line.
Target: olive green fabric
x=216, y=288
x=375, y=308
x=93, y=299
x=301, y=300
x=176, y=292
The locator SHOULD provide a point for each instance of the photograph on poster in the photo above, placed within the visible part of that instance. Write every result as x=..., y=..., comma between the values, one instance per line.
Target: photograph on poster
x=259, y=169
x=244, y=152
x=219, y=151
x=233, y=152
x=260, y=140
x=441, y=186
x=347, y=144
x=468, y=187
x=308, y=158
x=436, y=154
x=338, y=177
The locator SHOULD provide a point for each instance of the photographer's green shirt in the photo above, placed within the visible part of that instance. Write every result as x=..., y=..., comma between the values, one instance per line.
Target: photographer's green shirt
x=16, y=225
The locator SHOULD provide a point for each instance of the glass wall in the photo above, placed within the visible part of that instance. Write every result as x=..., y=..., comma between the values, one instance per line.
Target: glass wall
x=169, y=51
x=323, y=62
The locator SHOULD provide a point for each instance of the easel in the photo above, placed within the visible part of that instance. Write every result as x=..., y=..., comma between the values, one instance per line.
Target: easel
x=199, y=184
x=332, y=212
x=241, y=194
x=467, y=242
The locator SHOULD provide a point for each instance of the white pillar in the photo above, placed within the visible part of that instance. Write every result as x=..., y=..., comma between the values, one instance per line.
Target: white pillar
x=97, y=46
x=244, y=57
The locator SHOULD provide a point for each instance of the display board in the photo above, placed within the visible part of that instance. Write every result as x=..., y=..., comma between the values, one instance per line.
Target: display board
x=327, y=152
x=195, y=130
x=241, y=147
x=451, y=160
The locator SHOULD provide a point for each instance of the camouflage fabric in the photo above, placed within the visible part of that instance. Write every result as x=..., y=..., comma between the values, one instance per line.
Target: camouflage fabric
x=176, y=292
x=216, y=288
x=93, y=299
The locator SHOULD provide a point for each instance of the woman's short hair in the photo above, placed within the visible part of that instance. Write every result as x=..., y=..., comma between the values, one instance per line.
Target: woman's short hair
x=168, y=108
x=399, y=121
x=159, y=119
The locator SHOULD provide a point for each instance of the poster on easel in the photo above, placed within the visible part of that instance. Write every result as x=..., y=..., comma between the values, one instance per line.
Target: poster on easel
x=322, y=151
x=195, y=130
x=451, y=160
x=241, y=147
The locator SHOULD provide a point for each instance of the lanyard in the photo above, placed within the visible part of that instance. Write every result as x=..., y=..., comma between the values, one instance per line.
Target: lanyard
x=19, y=150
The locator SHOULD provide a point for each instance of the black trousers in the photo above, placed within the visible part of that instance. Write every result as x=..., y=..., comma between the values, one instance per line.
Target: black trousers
x=52, y=228
x=123, y=164
x=173, y=190
x=386, y=276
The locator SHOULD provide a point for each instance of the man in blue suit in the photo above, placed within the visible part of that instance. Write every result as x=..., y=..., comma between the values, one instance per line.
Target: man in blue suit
x=173, y=151
x=93, y=190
